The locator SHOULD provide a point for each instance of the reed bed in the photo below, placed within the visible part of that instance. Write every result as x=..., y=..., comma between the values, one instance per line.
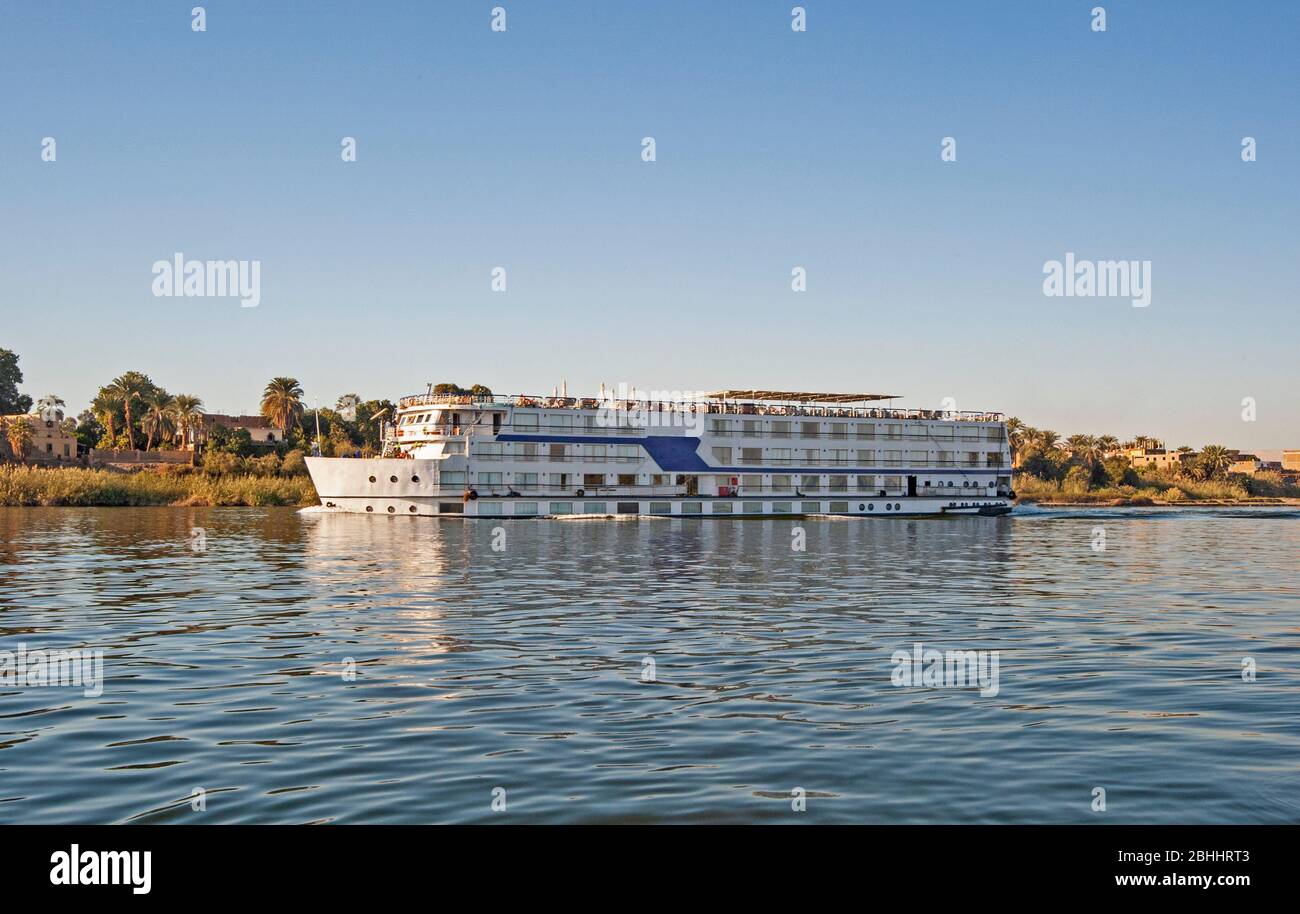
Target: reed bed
x=40, y=486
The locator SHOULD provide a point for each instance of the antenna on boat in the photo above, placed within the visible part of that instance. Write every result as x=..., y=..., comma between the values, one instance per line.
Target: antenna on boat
x=315, y=447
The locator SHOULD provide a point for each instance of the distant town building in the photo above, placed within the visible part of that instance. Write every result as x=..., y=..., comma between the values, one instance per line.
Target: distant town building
x=1291, y=460
x=51, y=443
x=1156, y=458
x=259, y=428
x=1246, y=464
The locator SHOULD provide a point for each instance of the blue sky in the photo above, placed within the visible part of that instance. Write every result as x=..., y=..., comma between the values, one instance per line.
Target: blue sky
x=775, y=149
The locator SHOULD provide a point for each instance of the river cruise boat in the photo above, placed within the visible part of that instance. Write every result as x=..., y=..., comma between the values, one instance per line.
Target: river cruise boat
x=731, y=453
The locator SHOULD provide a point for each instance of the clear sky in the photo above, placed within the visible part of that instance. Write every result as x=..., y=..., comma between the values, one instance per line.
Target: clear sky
x=775, y=149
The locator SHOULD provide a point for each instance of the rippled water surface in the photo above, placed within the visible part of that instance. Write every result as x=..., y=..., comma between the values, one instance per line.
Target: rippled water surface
x=526, y=669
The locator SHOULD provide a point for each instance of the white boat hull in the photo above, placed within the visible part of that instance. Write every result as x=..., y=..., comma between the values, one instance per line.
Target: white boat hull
x=408, y=487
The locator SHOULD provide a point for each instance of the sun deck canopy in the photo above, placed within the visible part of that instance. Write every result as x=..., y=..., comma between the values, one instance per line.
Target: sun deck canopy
x=796, y=396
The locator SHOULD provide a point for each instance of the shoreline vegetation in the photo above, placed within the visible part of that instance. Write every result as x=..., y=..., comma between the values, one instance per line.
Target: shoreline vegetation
x=1149, y=493
x=177, y=486
x=1102, y=471
x=138, y=420
x=183, y=486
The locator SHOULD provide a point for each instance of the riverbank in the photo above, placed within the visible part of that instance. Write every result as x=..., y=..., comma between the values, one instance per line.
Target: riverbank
x=1142, y=502
x=1156, y=492
x=183, y=487
x=26, y=486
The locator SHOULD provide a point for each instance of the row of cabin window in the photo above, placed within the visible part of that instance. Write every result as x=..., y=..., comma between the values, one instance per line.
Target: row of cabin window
x=526, y=450
x=754, y=455
x=724, y=455
x=663, y=507
x=778, y=483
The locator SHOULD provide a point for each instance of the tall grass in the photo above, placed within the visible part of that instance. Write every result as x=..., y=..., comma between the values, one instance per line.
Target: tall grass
x=22, y=485
x=1152, y=489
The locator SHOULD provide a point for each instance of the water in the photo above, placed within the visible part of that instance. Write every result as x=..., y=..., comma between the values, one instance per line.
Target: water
x=523, y=669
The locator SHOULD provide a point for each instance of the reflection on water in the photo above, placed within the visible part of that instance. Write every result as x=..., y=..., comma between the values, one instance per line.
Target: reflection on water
x=523, y=669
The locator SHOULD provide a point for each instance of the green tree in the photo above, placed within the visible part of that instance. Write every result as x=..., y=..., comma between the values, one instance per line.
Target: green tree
x=1016, y=437
x=1084, y=450
x=1046, y=439
x=106, y=406
x=1214, y=461
x=11, y=401
x=282, y=402
x=224, y=440
x=371, y=416
x=130, y=388
x=1119, y=472
x=187, y=414
x=89, y=430
x=157, y=418
x=18, y=432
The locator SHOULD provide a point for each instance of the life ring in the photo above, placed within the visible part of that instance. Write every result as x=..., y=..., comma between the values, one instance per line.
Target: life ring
x=580, y=492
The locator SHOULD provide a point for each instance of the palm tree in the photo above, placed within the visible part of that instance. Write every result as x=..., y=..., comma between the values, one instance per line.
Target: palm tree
x=282, y=402
x=187, y=414
x=157, y=416
x=105, y=407
x=1108, y=444
x=18, y=432
x=1215, y=460
x=1015, y=438
x=128, y=387
x=1046, y=439
x=1084, y=449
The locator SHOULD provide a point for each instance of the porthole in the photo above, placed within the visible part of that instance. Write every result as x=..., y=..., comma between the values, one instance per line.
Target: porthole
x=862, y=507
x=415, y=479
x=372, y=479
x=392, y=479
x=889, y=507
x=871, y=507
x=897, y=506
x=412, y=509
x=369, y=508
x=391, y=509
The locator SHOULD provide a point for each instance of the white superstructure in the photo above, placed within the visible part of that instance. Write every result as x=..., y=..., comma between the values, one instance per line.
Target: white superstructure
x=733, y=453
